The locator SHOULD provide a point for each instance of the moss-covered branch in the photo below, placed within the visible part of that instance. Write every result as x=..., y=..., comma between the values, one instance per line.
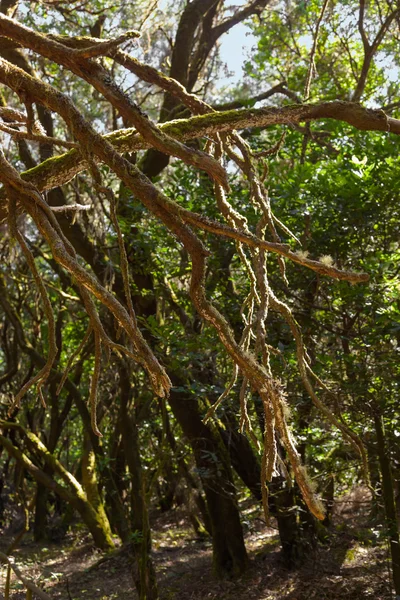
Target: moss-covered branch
x=72, y=493
x=60, y=169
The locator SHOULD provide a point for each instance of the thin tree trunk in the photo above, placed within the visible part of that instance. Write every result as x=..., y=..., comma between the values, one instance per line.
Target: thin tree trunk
x=40, y=522
x=144, y=574
x=90, y=484
x=390, y=505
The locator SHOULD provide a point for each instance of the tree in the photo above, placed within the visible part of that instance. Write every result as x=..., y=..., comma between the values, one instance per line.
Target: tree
x=104, y=265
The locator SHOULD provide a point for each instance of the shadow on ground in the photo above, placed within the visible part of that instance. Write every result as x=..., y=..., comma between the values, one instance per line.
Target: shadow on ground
x=348, y=567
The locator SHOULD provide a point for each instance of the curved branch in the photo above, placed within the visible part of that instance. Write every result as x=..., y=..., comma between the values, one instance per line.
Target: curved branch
x=99, y=78
x=370, y=49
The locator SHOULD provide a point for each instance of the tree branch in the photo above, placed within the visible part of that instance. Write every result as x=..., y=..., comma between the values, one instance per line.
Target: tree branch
x=361, y=28
x=210, y=36
x=311, y=67
x=280, y=88
x=28, y=583
x=98, y=77
x=370, y=49
x=58, y=170
x=105, y=47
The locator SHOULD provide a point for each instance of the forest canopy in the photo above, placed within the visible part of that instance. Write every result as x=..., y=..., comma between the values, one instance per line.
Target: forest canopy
x=199, y=278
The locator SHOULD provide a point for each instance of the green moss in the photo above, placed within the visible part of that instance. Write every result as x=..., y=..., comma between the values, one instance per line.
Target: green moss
x=49, y=164
x=351, y=555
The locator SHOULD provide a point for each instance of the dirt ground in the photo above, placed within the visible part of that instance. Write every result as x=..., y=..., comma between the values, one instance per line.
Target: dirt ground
x=352, y=565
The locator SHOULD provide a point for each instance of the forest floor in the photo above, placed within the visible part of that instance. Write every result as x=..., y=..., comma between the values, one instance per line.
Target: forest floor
x=351, y=565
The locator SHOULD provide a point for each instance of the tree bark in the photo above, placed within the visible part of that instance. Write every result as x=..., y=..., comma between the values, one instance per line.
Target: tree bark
x=242, y=455
x=229, y=552
x=90, y=484
x=143, y=570
x=40, y=522
x=389, y=502
x=73, y=494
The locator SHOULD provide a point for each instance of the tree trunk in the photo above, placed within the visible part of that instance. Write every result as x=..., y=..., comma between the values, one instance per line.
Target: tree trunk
x=284, y=502
x=229, y=552
x=117, y=518
x=90, y=484
x=71, y=491
x=113, y=480
x=199, y=518
x=40, y=522
x=296, y=525
x=143, y=572
x=390, y=505
x=243, y=458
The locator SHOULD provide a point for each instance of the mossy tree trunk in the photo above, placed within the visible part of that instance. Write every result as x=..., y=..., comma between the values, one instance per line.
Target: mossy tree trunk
x=116, y=516
x=114, y=481
x=71, y=490
x=58, y=416
x=90, y=484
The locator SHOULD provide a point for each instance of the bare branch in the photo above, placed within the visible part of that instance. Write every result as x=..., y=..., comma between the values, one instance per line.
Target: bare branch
x=311, y=68
x=105, y=47
x=210, y=35
x=252, y=8
x=70, y=208
x=11, y=113
x=34, y=137
x=361, y=28
x=370, y=49
x=280, y=88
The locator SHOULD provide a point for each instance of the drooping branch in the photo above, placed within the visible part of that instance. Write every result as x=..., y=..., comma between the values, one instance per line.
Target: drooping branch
x=41, y=377
x=162, y=207
x=18, y=80
x=39, y=361
x=178, y=220
x=62, y=251
x=92, y=72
